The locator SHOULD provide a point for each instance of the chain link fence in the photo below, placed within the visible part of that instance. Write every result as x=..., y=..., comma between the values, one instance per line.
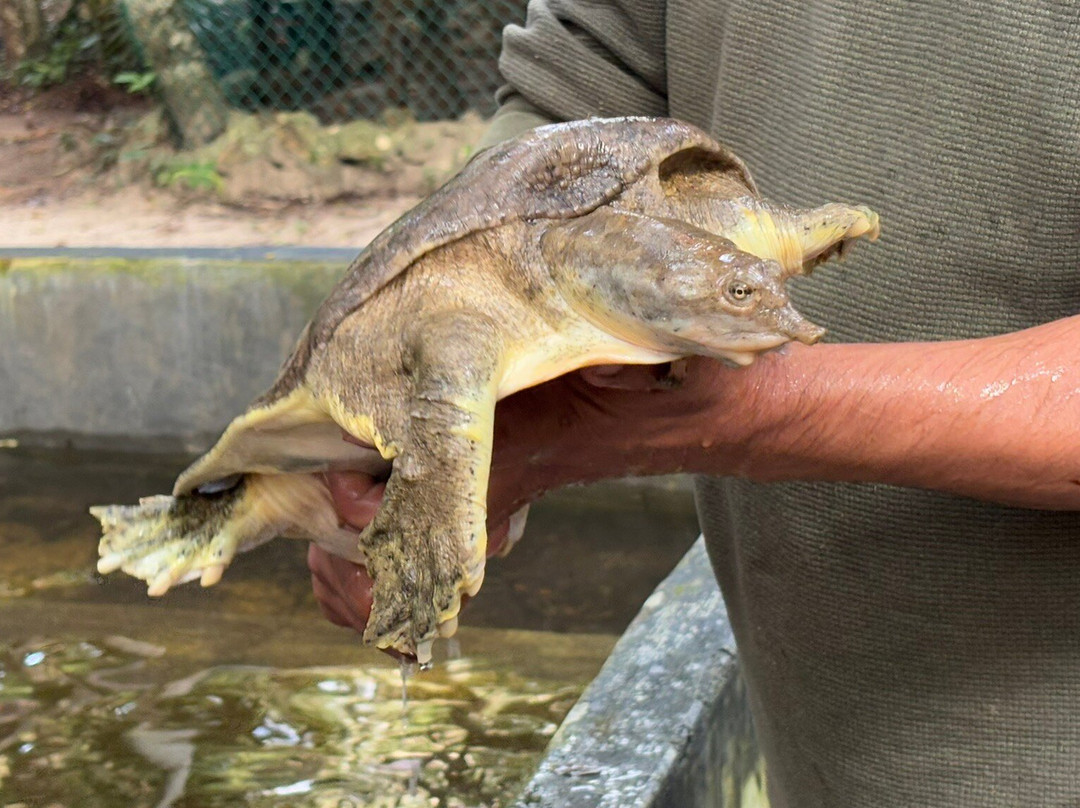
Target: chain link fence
x=345, y=59
x=337, y=59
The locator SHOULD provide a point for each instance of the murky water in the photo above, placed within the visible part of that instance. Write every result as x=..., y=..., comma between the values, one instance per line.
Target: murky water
x=243, y=695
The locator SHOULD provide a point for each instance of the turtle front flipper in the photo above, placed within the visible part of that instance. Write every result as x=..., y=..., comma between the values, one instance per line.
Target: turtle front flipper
x=826, y=231
x=425, y=547
x=168, y=540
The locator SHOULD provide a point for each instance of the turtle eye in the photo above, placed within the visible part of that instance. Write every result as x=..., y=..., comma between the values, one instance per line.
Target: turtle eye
x=740, y=293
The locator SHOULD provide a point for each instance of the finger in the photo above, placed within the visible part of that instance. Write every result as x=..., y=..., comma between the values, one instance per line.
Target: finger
x=633, y=377
x=497, y=537
x=356, y=496
x=333, y=607
x=342, y=588
x=350, y=438
x=516, y=529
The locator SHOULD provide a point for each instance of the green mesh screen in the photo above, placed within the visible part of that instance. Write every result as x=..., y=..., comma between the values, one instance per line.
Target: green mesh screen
x=345, y=59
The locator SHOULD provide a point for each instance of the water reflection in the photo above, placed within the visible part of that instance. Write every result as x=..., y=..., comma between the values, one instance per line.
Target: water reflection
x=243, y=695
x=89, y=725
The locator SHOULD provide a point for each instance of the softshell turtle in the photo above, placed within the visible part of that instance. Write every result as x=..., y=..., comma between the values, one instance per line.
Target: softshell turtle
x=627, y=240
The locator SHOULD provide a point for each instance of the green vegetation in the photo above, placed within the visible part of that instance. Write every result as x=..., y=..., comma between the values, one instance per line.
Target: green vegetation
x=91, y=35
x=192, y=176
x=136, y=82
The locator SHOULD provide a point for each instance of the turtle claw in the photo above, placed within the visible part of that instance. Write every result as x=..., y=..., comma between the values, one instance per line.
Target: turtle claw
x=415, y=635
x=211, y=575
x=423, y=651
x=161, y=584
x=517, y=529
x=448, y=628
x=110, y=563
x=472, y=587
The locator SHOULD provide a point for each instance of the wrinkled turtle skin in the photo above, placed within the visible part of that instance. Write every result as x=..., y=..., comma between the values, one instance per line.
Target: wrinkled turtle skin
x=627, y=240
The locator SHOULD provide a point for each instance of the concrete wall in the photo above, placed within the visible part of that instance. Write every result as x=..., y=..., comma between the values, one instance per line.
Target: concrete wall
x=163, y=350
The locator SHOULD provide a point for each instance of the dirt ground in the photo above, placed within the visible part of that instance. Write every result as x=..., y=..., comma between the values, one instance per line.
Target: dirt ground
x=139, y=217
x=56, y=192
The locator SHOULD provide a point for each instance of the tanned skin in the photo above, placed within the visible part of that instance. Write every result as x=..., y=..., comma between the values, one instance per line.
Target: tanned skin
x=996, y=419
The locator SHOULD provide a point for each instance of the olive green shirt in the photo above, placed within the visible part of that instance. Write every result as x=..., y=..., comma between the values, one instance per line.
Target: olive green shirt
x=902, y=648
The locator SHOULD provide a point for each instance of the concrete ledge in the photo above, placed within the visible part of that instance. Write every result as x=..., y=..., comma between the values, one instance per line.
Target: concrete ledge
x=665, y=724
x=162, y=351
x=329, y=255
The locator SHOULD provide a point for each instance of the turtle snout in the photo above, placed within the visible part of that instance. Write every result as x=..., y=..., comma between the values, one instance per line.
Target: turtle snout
x=797, y=327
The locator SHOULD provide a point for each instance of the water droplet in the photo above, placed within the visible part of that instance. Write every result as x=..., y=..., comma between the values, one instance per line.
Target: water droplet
x=407, y=670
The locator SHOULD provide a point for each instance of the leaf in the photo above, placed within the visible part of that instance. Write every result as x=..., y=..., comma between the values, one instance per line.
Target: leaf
x=135, y=82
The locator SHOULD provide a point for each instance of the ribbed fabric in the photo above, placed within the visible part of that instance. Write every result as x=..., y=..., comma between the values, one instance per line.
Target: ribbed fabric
x=902, y=648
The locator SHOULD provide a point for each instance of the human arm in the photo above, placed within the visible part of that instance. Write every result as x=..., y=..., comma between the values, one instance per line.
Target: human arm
x=996, y=418
x=573, y=60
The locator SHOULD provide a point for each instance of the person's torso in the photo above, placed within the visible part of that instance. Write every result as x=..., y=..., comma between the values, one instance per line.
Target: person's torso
x=904, y=648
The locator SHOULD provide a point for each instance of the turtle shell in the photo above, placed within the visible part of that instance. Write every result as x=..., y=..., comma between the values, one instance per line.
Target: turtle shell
x=553, y=172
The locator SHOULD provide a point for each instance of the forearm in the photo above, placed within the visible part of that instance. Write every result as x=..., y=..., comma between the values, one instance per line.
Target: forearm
x=577, y=59
x=995, y=418
x=515, y=117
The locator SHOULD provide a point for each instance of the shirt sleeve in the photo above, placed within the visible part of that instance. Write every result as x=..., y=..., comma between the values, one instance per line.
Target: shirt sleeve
x=515, y=116
x=581, y=58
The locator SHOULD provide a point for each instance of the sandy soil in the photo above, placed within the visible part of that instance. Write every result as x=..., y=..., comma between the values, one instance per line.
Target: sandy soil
x=52, y=197
x=136, y=217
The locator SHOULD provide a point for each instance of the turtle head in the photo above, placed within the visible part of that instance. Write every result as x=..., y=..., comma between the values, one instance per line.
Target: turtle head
x=750, y=311
x=668, y=286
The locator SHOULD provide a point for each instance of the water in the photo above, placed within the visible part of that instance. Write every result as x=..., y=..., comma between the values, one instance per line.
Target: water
x=244, y=695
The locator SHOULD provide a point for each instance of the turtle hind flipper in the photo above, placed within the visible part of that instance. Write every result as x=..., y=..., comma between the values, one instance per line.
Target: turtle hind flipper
x=168, y=540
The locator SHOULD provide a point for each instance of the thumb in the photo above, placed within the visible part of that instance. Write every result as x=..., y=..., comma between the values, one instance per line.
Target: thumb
x=636, y=377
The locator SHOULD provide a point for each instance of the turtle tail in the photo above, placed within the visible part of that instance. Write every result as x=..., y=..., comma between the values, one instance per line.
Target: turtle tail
x=167, y=540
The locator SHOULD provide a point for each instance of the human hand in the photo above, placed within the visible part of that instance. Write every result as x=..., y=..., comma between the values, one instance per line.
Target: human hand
x=585, y=426
x=342, y=588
